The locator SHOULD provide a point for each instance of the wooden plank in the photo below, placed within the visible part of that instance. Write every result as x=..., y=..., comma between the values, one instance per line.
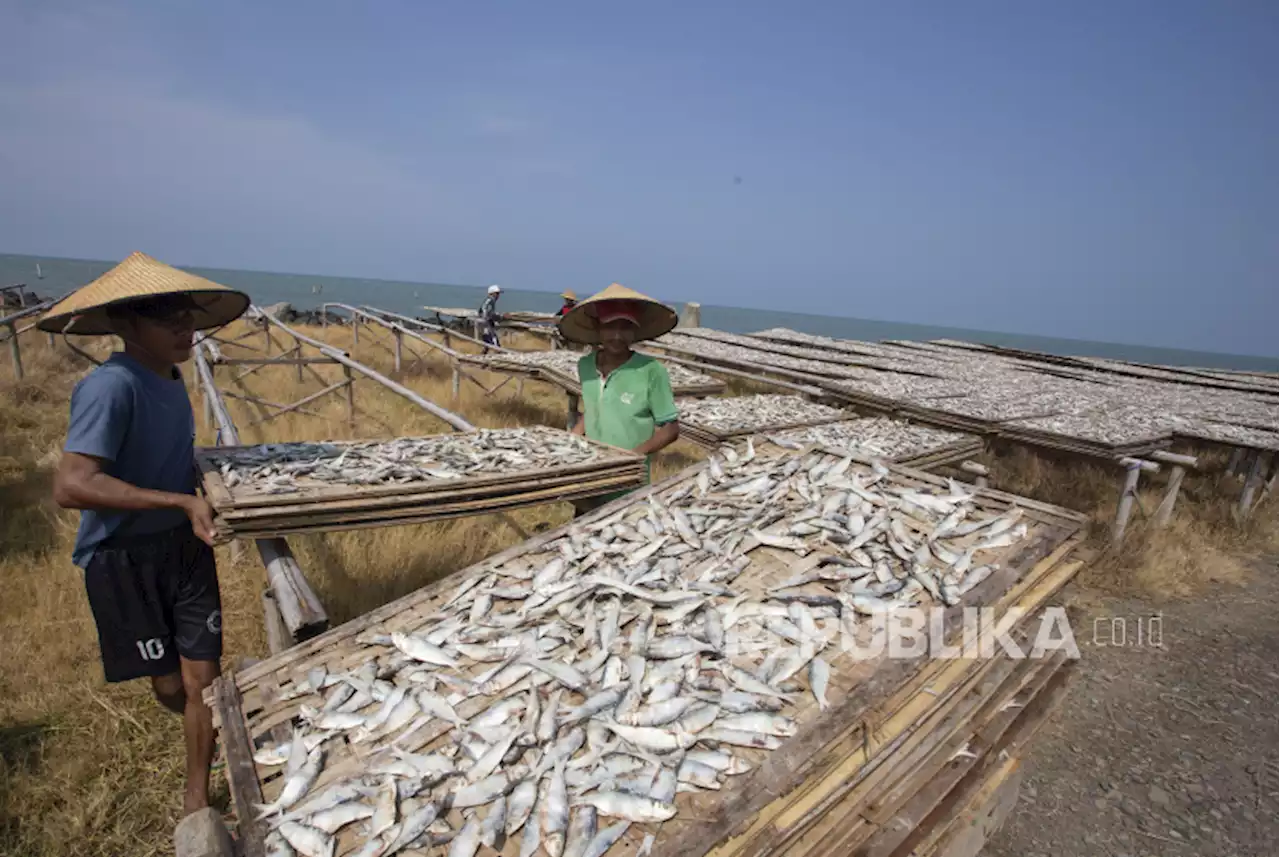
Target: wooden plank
x=980, y=818
x=937, y=802
x=274, y=361
x=1026, y=682
x=242, y=776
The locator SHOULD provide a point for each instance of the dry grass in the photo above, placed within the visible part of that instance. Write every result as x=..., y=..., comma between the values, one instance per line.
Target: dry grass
x=92, y=769
x=1202, y=546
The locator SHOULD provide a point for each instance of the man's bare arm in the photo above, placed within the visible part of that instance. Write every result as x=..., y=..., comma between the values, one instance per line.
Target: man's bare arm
x=80, y=483
x=664, y=436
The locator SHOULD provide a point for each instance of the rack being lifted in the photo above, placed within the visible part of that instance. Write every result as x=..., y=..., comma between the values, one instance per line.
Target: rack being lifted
x=537, y=670
x=274, y=489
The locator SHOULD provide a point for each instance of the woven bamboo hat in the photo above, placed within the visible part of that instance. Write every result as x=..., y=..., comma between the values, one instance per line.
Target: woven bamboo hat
x=137, y=278
x=582, y=323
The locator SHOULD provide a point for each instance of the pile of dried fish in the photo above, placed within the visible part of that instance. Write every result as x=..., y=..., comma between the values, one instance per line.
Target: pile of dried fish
x=878, y=437
x=864, y=354
x=1089, y=404
x=282, y=468
x=711, y=421
x=564, y=695
x=706, y=349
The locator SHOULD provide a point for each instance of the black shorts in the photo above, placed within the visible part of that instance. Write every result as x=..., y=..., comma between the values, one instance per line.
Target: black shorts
x=154, y=597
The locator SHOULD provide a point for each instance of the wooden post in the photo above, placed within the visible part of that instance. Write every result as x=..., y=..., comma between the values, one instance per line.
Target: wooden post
x=298, y=352
x=573, y=410
x=1133, y=468
x=1180, y=464
x=978, y=471
x=299, y=607
x=301, y=610
x=355, y=333
x=266, y=332
x=15, y=353
x=457, y=379
x=49, y=338
x=1233, y=463
x=1251, y=483
x=277, y=634
x=691, y=315
x=351, y=395
x=399, y=348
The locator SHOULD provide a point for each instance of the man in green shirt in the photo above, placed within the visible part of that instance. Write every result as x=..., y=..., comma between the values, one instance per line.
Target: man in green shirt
x=626, y=397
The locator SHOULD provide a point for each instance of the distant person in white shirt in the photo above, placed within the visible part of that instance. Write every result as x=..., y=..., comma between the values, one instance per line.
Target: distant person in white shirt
x=489, y=317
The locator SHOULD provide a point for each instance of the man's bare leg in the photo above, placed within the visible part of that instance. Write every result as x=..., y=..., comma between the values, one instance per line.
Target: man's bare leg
x=197, y=724
x=169, y=692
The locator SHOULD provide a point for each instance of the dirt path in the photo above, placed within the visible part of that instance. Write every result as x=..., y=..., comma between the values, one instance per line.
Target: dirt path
x=1160, y=749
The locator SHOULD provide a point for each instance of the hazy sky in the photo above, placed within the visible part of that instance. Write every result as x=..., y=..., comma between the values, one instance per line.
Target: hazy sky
x=1103, y=170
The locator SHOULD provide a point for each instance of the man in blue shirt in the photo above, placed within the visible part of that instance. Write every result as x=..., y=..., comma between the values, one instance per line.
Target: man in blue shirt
x=145, y=538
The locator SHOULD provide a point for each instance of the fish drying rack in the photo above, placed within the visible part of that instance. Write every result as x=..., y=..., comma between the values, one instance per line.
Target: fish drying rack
x=327, y=508
x=911, y=756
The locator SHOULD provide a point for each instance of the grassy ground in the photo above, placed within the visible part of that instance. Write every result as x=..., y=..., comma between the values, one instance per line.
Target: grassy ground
x=92, y=769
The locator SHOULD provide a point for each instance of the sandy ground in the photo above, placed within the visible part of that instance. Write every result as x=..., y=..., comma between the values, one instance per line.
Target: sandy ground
x=1165, y=747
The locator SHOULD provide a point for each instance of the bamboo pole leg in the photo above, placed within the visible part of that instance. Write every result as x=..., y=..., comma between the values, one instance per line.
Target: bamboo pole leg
x=978, y=471
x=399, y=348
x=1129, y=491
x=1180, y=463
x=15, y=353
x=573, y=410
x=1165, y=511
x=52, y=342
x=456, y=380
x=1251, y=484
x=351, y=395
x=355, y=333
x=278, y=638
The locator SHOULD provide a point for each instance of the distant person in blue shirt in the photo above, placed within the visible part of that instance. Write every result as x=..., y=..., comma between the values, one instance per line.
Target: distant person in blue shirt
x=145, y=538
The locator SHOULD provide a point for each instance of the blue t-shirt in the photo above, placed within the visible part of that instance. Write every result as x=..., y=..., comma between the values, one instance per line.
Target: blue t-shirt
x=142, y=425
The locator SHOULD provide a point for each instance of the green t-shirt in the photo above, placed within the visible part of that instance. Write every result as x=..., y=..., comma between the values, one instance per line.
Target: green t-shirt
x=625, y=408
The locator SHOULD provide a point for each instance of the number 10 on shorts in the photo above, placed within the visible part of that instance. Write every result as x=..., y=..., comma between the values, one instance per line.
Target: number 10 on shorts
x=151, y=650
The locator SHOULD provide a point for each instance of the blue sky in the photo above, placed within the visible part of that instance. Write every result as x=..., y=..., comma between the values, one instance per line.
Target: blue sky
x=1095, y=170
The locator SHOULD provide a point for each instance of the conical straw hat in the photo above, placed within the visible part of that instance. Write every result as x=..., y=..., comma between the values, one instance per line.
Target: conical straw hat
x=140, y=276
x=579, y=324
